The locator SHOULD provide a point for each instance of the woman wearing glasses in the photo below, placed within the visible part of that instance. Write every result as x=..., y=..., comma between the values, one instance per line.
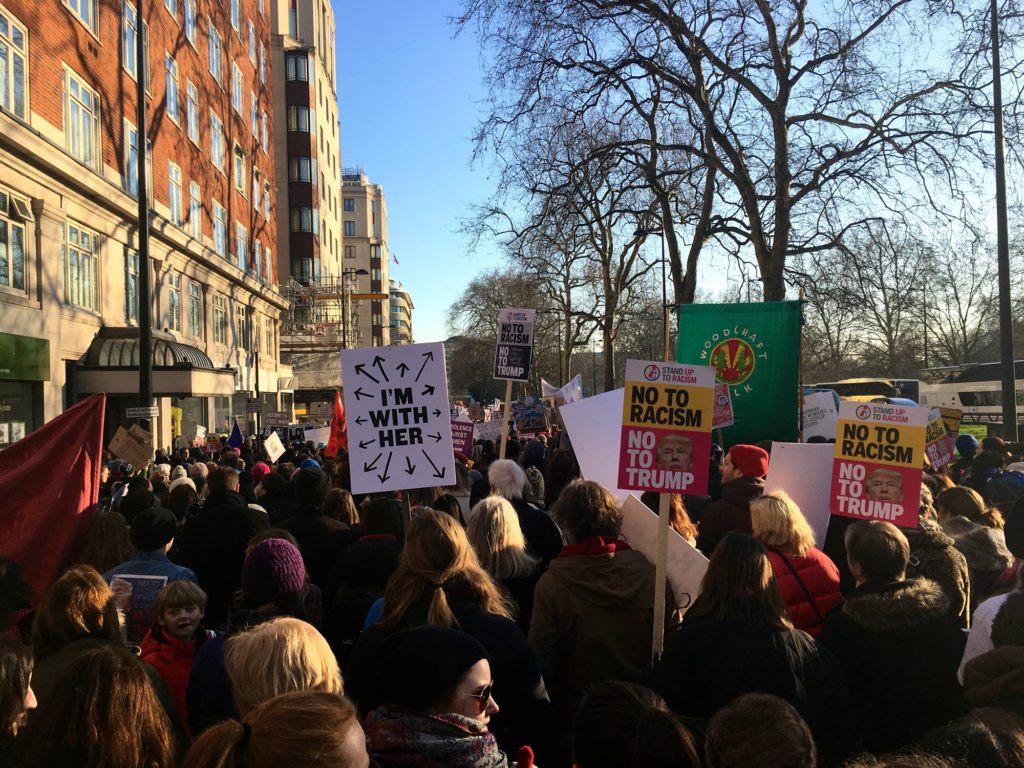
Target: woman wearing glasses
x=436, y=685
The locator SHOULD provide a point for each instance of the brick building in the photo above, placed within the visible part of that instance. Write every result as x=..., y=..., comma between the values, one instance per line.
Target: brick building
x=69, y=268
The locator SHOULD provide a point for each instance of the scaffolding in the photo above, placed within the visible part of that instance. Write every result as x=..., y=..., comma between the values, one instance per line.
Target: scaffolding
x=319, y=315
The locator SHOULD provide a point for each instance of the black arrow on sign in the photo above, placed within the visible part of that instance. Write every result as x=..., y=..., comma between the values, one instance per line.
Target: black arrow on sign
x=427, y=390
x=429, y=356
x=364, y=443
x=361, y=420
x=437, y=411
x=384, y=478
x=360, y=394
x=361, y=370
x=378, y=362
x=403, y=369
x=437, y=472
x=369, y=467
x=436, y=438
x=410, y=465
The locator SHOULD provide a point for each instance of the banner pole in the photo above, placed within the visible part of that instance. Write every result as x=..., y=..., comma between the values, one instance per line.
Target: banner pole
x=504, y=418
x=800, y=375
x=658, y=638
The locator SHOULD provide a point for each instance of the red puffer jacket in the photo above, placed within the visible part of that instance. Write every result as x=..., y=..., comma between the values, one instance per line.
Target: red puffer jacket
x=173, y=659
x=821, y=579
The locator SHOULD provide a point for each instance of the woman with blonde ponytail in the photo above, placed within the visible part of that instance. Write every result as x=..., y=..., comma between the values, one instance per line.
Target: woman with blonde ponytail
x=440, y=581
x=303, y=729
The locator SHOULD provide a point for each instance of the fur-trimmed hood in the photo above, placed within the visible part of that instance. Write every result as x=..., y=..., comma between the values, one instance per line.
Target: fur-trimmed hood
x=885, y=607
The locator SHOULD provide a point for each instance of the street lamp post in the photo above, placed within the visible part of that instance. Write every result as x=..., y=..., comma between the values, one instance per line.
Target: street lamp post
x=345, y=274
x=145, y=292
x=641, y=232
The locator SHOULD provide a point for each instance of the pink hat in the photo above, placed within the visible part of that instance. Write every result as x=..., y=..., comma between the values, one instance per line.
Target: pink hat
x=259, y=469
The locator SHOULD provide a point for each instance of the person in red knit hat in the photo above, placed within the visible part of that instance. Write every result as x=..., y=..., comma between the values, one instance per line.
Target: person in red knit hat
x=743, y=471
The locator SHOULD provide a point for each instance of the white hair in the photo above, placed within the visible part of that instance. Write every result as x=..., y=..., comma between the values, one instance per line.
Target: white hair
x=506, y=478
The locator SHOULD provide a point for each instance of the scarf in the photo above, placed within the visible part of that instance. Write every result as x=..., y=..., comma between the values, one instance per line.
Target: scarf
x=403, y=738
x=595, y=545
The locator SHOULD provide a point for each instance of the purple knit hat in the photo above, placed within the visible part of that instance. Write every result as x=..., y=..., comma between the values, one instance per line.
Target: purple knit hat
x=272, y=570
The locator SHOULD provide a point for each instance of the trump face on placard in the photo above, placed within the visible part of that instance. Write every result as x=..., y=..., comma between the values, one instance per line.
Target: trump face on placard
x=885, y=485
x=674, y=452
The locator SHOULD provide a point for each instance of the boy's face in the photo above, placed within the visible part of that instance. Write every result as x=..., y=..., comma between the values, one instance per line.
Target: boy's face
x=181, y=623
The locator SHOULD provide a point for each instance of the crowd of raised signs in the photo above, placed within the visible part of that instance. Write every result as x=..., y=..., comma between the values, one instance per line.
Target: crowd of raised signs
x=224, y=611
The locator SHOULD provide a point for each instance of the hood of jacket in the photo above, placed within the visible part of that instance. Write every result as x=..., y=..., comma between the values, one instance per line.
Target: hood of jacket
x=995, y=677
x=606, y=580
x=882, y=608
x=983, y=547
x=741, y=490
x=929, y=535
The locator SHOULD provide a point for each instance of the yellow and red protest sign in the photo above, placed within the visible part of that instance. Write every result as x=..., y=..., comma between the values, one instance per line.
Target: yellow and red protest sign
x=876, y=473
x=667, y=414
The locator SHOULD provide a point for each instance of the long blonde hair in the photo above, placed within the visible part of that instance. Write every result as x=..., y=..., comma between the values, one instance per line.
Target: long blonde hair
x=778, y=522
x=437, y=552
x=497, y=537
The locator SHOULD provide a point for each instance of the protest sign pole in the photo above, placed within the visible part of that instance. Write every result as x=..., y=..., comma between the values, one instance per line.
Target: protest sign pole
x=800, y=374
x=504, y=418
x=661, y=572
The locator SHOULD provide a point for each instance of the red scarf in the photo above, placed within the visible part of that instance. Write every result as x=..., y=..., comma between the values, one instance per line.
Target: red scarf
x=595, y=545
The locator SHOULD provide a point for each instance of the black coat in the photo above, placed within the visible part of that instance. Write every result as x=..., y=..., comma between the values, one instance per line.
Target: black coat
x=320, y=539
x=526, y=716
x=900, y=648
x=708, y=662
x=213, y=545
x=543, y=539
x=729, y=513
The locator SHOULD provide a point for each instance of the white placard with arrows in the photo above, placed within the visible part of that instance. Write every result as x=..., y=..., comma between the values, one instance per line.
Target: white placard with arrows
x=399, y=427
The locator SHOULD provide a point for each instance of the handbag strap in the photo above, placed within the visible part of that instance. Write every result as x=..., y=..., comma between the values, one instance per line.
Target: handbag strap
x=806, y=591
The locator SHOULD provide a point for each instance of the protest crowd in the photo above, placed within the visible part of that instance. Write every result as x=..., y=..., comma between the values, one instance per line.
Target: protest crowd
x=227, y=611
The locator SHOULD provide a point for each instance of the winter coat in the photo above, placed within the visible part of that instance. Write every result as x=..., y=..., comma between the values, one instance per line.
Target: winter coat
x=996, y=679
x=525, y=715
x=320, y=539
x=521, y=591
x=172, y=658
x=213, y=545
x=710, y=661
x=593, y=617
x=984, y=549
x=813, y=575
x=900, y=648
x=278, y=508
x=979, y=640
x=933, y=555
x=543, y=538
x=729, y=513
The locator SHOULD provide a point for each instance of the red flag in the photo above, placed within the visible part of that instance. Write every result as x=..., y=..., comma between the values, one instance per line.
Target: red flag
x=51, y=479
x=339, y=429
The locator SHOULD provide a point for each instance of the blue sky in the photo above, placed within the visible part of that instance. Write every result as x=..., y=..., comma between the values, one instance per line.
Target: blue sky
x=410, y=96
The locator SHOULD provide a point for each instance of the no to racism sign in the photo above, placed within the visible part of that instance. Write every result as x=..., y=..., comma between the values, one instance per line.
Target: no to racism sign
x=667, y=413
x=515, y=344
x=879, y=453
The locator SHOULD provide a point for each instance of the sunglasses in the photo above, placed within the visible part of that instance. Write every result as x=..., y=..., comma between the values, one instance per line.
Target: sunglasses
x=483, y=695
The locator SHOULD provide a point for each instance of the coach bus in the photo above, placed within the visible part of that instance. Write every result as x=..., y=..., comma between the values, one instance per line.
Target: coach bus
x=975, y=388
x=867, y=390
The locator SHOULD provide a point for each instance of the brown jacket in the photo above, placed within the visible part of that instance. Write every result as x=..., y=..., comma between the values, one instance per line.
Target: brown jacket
x=729, y=513
x=996, y=679
x=593, y=618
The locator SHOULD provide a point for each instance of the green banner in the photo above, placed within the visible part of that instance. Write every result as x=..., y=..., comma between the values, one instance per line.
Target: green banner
x=755, y=350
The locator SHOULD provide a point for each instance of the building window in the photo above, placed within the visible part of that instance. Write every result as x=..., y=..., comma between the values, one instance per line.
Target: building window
x=172, y=6
x=264, y=132
x=85, y=10
x=302, y=169
x=173, y=104
x=350, y=251
x=349, y=204
x=302, y=220
x=241, y=244
x=350, y=229
x=174, y=301
x=130, y=183
x=13, y=62
x=195, y=311
x=266, y=200
x=296, y=67
x=256, y=188
x=192, y=116
x=13, y=213
x=174, y=194
x=268, y=270
x=257, y=259
x=253, y=117
x=81, y=255
x=293, y=18
x=216, y=54
x=190, y=21
x=236, y=17
x=252, y=42
x=131, y=285
x=217, y=148
x=81, y=119
x=220, y=319
x=263, y=64
x=195, y=210
x=239, y=169
x=236, y=87
x=220, y=229
x=299, y=120
x=241, y=326
x=261, y=3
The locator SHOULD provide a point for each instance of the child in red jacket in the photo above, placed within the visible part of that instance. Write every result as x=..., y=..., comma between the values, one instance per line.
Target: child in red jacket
x=172, y=643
